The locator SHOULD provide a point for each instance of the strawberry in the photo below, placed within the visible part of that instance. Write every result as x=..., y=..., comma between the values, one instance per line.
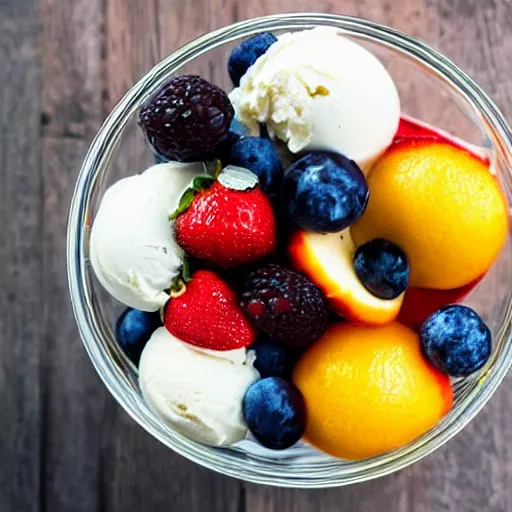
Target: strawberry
x=207, y=315
x=227, y=227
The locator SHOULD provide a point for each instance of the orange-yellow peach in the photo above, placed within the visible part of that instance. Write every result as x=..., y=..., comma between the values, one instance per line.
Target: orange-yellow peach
x=369, y=390
x=441, y=206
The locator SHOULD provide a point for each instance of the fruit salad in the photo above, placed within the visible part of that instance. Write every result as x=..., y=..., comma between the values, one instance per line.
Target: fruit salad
x=294, y=263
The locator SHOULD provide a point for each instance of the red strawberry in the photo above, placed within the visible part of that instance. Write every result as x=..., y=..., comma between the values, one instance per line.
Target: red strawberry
x=227, y=227
x=207, y=315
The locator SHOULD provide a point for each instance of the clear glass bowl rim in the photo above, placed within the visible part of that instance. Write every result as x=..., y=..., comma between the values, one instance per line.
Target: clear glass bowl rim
x=227, y=462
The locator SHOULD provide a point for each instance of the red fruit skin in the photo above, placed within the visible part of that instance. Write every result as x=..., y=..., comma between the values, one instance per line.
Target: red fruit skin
x=420, y=303
x=227, y=228
x=408, y=129
x=207, y=315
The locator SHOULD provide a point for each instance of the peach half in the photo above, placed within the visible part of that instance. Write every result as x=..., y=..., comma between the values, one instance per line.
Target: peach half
x=327, y=260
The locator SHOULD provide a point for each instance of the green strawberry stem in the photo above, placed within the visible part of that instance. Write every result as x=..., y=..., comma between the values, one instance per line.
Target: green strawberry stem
x=218, y=169
x=199, y=183
x=178, y=288
x=178, y=285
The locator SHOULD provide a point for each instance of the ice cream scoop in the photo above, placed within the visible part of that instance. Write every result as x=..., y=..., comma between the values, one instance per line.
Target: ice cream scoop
x=316, y=89
x=199, y=393
x=132, y=247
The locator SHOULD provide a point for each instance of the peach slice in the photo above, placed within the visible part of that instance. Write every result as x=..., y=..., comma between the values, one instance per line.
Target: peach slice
x=328, y=261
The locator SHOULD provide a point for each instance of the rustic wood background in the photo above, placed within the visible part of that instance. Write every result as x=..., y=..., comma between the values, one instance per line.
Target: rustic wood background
x=65, y=445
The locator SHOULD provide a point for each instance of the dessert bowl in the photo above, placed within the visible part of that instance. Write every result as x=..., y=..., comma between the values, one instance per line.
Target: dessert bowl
x=432, y=90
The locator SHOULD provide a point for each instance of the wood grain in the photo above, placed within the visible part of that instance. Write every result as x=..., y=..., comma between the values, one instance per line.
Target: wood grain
x=20, y=257
x=65, y=445
x=74, y=398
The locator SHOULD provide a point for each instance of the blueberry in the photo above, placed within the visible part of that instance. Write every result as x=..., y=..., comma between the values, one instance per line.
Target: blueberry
x=324, y=192
x=133, y=330
x=246, y=54
x=259, y=156
x=222, y=150
x=273, y=359
x=382, y=268
x=238, y=128
x=275, y=412
x=456, y=340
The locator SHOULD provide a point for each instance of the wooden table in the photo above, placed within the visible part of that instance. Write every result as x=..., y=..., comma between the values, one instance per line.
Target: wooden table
x=65, y=445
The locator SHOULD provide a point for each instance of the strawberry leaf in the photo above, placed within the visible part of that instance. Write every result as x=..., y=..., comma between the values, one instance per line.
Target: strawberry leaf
x=185, y=271
x=202, y=182
x=199, y=183
x=184, y=204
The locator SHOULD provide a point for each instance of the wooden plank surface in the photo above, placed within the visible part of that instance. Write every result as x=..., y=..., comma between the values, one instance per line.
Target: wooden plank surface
x=75, y=400
x=21, y=416
x=65, y=445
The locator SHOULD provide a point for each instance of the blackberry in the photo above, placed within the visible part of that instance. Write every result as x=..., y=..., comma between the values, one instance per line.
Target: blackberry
x=285, y=305
x=187, y=118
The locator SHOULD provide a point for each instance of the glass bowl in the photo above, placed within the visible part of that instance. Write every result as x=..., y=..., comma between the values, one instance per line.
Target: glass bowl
x=433, y=90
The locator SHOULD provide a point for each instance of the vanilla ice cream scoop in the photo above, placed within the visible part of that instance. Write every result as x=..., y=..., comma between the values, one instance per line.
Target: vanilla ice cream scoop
x=316, y=89
x=198, y=393
x=132, y=247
